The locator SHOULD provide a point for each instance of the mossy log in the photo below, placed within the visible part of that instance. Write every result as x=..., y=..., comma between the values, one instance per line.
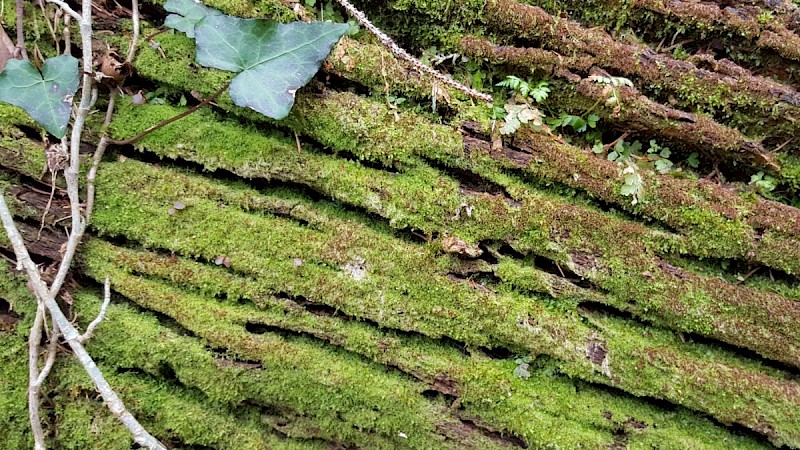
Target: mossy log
x=368, y=274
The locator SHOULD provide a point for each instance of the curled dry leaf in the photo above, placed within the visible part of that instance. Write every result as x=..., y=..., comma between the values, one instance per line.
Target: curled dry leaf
x=456, y=245
x=7, y=48
x=113, y=69
x=57, y=157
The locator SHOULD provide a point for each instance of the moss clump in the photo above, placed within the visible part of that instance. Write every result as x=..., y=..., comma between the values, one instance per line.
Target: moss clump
x=14, y=360
x=487, y=389
x=416, y=296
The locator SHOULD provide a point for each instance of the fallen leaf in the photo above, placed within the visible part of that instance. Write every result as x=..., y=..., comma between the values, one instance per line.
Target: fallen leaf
x=7, y=48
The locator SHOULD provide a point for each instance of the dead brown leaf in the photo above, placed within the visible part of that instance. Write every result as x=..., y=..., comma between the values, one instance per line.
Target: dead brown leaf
x=7, y=48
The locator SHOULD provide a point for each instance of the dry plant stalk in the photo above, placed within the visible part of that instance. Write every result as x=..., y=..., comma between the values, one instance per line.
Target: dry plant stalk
x=404, y=55
x=46, y=295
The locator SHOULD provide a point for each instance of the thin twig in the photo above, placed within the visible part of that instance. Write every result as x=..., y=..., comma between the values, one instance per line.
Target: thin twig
x=135, y=39
x=560, y=271
x=71, y=335
x=151, y=36
x=297, y=141
x=72, y=172
x=50, y=26
x=52, y=349
x=674, y=46
x=144, y=133
x=404, y=55
x=748, y=275
x=67, y=35
x=98, y=156
x=611, y=144
x=780, y=147
x=34, y=339
x=66, y=8
x=36, y=376
x=49, y=203
x=101, y=315
x=20, y=29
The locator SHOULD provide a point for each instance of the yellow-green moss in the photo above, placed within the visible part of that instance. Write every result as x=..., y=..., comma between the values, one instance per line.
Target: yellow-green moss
x=414, y=295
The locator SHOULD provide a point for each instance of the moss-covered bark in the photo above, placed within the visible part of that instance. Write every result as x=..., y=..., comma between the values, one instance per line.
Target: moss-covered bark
x=369, y=275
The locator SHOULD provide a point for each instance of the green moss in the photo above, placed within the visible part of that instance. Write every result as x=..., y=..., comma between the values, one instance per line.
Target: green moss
x=370, y=130
x=427, y=23
x=487, y=389
x=526, y=278
x=22, y=154
x=172, y=412
x=269, y=9
x=349, y=401
x=414, y=295
x=14, y=363
x=12, y=116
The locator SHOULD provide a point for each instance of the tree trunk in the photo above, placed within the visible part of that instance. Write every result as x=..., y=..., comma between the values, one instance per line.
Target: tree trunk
x=381, y=273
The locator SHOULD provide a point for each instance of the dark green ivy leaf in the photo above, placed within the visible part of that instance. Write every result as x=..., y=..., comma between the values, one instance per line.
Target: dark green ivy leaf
x=46, y=96
x=188, y=14
x=273, y=60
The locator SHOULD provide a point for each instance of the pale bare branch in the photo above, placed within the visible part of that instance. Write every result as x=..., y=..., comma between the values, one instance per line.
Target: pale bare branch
x=135, y=39
x=71, y=335
x=67, y=35
x=34, y=339
x=52, y=349
x=98, y=156
x=37, y=377
x=46, y=295
x=72, y=172
x=66, y=8
x=101, y=315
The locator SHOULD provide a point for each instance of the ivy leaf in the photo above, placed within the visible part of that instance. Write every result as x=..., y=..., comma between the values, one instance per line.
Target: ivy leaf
x=663, y=165
x=188, y=14
x=694, y=160
x=510, y=125
x=521, y=371
x=46, y=96
x=628, y=189
x=274, y=60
